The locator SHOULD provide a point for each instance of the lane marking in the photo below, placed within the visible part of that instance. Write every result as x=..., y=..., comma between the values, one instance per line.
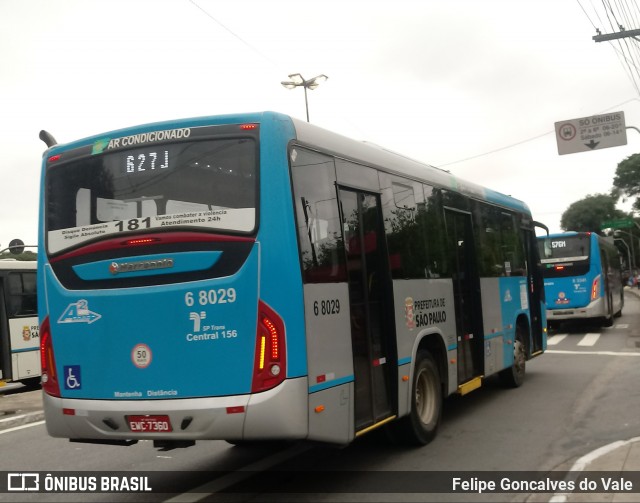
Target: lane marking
x=241, y=474
x=601, y=353
x=583, y=462
x=589, y=340
x=22, y=427
x=556, y=339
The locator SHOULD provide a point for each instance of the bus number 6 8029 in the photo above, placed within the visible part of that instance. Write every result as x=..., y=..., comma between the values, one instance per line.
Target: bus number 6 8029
x=326, y=307
x=206, y=297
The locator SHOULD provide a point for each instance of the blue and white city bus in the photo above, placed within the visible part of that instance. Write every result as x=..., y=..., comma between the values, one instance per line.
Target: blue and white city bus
x=19, y=331
x=255, y=277
x=582, y=277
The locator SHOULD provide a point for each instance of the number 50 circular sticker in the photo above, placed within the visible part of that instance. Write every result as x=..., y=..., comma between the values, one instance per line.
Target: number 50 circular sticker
x=141, y=356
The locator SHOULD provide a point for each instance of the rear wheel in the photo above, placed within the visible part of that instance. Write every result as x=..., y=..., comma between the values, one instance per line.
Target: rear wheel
x=619, y=312
x=32, y=382
x=607, y=321
x=513, y=376
x=421, y=425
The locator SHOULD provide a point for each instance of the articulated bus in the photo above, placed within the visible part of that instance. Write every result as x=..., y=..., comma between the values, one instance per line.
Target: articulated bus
x=582, y=277
x=19, y=331
x=255, y=277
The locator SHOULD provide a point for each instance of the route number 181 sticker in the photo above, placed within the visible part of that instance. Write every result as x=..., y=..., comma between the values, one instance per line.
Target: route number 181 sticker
x=141, y=356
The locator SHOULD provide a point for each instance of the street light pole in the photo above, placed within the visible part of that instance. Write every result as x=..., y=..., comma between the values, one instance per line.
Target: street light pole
x=633, y=251
x=628, y=253
x=306, y=102
x=298, y=80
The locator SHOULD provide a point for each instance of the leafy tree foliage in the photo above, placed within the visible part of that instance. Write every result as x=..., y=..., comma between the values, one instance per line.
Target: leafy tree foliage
x=626, y=182
x=27, y=255
x=588, y=214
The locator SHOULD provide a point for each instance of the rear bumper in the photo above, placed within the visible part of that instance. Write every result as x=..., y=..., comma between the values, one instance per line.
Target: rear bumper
x=595, y=309
x=280, y=413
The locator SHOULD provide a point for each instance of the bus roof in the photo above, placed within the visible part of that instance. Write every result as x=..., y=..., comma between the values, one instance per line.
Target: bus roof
x=380, y=157
x=361, y=152
x=11, y=264
x=568, y=234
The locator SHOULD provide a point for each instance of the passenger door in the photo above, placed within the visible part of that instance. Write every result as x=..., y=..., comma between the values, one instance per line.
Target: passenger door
x=371, y=307
x=535, y=286
x=466, y=290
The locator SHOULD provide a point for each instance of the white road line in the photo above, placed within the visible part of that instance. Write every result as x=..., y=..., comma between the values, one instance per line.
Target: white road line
x=589, y=340
x=225, y=481
x=582, y=463
x=601, y=353
x=556, y=339
x=16, y=428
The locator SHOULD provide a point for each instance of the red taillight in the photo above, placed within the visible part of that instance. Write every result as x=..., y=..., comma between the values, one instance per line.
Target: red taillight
x=54, y=158
x=248, y=127
x=50, y=384
x=559, y=268
x=595, y=288
x=269, y=368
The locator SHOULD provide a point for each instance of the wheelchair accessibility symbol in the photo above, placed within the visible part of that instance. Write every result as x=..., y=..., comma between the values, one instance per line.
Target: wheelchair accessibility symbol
x=72, y=378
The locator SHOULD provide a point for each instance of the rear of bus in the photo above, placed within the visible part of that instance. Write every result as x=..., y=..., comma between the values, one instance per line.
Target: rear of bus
x=572, y=276
x=168, y=303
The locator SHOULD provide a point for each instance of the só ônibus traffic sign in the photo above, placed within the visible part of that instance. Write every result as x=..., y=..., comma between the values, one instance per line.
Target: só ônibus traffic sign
x=591, y=133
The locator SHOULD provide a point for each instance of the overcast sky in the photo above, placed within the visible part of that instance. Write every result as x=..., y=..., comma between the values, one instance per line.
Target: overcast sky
x=474, y=87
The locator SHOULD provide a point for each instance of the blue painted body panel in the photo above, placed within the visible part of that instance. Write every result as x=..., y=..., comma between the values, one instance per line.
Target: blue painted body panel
x=513, y=292
x=196, y=350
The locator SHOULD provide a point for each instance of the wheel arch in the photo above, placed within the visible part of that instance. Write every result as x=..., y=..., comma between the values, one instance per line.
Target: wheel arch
x=523, y=323
x=433, y=343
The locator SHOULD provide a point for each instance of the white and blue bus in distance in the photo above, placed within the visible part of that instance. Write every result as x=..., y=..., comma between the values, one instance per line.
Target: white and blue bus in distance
x=19, y=331
x=255, y=277
x=582, y=277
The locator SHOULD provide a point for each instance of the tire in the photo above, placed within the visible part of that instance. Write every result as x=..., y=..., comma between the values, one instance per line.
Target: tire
x=513, y=377
x=31, y=383
x=607, y=321
x=619, y=313
x=421, y=425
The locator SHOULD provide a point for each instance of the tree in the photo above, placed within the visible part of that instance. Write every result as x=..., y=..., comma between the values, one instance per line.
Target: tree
x=626, y=182
x=27, y=255
x=588, y=214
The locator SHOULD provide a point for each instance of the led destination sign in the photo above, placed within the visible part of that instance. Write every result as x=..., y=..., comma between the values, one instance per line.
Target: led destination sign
x=147, y=161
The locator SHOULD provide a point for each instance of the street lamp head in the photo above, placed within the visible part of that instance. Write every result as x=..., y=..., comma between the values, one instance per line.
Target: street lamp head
x=315, y=81
x=297, y=79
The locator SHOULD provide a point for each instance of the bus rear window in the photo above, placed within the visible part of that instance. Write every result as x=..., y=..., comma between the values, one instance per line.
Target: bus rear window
x=207, y=184
x=565, y=256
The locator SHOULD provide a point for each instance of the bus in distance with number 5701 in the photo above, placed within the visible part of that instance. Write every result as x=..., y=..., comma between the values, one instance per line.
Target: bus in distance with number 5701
x=255, y=277
x=582, y=277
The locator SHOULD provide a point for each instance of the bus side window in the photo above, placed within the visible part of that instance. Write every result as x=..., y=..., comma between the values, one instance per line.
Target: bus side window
x=322, y=250
x=22, y=294
x=501, y=250
x=414, y=228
